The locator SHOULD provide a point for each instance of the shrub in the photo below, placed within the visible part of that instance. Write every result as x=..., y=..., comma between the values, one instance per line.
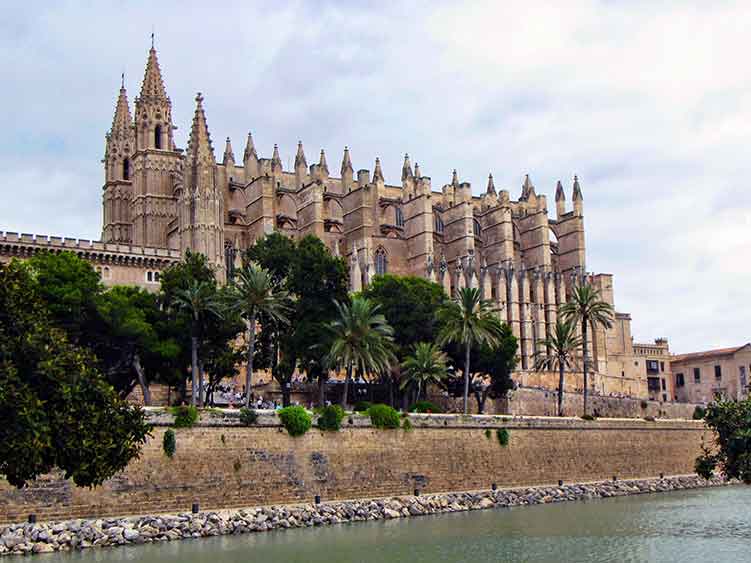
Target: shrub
x=248, y=417
x=383, y=416
x=407, y=425
x=362, y=406
x=296, y=420
x=503, y=436
x=699, y=413
x=588, y=417
x=185, y=416
x=169, y=444
x=331, y=418
x=488, y=433
x=425, y=406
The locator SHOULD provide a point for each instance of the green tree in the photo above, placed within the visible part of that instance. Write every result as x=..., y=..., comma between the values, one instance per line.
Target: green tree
x=468, y=320
x=256, y=295
x=560, y=353
x=132, y=347
x=362, y=339
x=200, y=302
x=731, y=422
x=586, y=306
x=410, y=305
x=56, y=410
x=426, y=365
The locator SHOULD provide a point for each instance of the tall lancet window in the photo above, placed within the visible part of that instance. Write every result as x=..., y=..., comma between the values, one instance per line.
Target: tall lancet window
x=158, y=137
x=381, y=264
x=126, y=169
x=399, y=217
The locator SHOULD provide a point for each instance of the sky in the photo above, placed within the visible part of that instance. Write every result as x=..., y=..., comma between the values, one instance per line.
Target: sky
x=648, y=102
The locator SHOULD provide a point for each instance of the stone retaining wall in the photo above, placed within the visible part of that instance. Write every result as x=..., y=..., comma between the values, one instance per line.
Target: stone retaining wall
x=221, y=464
x=61, y=536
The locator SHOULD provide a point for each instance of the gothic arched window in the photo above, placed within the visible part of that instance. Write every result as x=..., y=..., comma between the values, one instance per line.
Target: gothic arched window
x=126, y=169
x=438, y=224
x=399, y=217
x=477, y=228
x=381, y=265
x=158, y=137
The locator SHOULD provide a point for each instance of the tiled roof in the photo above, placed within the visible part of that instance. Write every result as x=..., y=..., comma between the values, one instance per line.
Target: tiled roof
x=698, y=356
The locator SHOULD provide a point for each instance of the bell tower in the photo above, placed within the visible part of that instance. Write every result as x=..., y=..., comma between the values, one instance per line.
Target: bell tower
x=156, y=160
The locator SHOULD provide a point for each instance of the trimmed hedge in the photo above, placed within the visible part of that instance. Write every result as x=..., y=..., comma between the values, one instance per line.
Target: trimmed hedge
x=699, y=413
x=362, y=406
x=296, y=420
x=425, y=406
x=331, y=418
x=383, y=416
x=248, y=417
x=169, y=444
x=503, y=436
x=185, y=416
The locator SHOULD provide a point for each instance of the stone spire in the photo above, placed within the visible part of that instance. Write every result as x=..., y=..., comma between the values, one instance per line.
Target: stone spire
x=560, y=199
x=122, y=121
x=377, y=172
x=229, y=156
x=347, y=163
x=153, y=85
x=418, y=172
x=527, y=187
x=300, y=157
x=200, y=152
x=491, y=185
x=455, y=179
x=250, y=149
x=322, y=164
x=406, y=168
x=276, y=160
x=577, y=190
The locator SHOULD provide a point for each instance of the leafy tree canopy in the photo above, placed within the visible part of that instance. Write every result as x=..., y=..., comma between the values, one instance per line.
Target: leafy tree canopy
x=410, y=305
x=731, y=422
x=56, y=410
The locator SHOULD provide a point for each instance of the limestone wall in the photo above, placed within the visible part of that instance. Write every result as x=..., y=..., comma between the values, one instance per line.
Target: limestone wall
x=222, y=465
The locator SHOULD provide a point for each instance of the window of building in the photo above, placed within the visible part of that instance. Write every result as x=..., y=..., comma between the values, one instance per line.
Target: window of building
x=477, y=228
x=623, y=374
x=697, y=375
x=663, y=384
x=652, y=366
x=438, y=224
x=653, y=384
x=662, y=366
x=664, y=398
x=106, y=272
x=717, y=372
x=156, y=277
x=149, y=276
x=399, y=217
x=679, y=380
x=158, y=137
x=126, y=169
x=380, y=262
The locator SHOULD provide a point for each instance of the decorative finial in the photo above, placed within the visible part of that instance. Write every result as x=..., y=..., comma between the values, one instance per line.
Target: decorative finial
x=152, y=36
x=122, y=80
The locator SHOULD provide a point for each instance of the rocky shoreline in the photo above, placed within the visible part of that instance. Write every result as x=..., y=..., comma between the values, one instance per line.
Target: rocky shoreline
x=47, y=537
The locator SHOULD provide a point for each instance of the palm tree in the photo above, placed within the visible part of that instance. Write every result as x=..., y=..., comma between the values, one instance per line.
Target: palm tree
x=362, y=340
x=468, y=320
x=562, y=345
x=255, y=294
x=425, y=366
x=199, y=300
x=585, y=305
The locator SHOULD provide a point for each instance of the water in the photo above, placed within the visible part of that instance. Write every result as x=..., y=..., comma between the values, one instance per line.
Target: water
x=706, y=525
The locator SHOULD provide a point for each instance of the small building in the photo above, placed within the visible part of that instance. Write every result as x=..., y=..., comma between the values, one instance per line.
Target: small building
x=702, y=376
x=653, y=362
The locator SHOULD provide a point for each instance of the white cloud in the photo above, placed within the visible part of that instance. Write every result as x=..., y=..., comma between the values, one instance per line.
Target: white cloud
x=648, y=102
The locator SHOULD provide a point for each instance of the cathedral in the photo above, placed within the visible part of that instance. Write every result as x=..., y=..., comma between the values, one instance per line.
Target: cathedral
x=160, y=200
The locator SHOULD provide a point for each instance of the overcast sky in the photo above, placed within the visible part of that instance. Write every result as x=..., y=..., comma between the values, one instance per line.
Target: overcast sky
x=648, y=102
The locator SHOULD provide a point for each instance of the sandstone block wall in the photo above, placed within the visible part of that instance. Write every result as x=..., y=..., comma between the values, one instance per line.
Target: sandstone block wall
x=222, y=465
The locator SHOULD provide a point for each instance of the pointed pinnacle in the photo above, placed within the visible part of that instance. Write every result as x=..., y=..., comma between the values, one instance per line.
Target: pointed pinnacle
x=153, y=85
x=560, y=195
x=377, y=172
x=406, y=168
x=454, y=178
x=418, y=172
x=322, y=164
x=228, y=154
x=300, y=156
x=577, y=190
x=121, y=121
x=491, y=185
x=250, y=149
x=199, y=142
x=346, y=162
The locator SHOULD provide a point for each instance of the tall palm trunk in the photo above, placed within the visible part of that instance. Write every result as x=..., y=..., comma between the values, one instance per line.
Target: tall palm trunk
x=561, y=366
x=321, y=389
x=347, y=379
x=142, y=380
x=201, y=392
x=586, y=363
x=194, y=370
x=466, y=377
x=251, y=351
